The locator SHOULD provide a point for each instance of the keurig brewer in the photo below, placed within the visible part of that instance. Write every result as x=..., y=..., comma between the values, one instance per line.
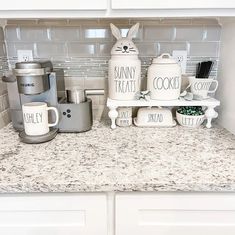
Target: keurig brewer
x=38, y=82
x=33, y=82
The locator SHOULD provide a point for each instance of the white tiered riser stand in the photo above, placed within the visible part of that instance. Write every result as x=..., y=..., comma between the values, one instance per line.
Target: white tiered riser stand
x=209, y=103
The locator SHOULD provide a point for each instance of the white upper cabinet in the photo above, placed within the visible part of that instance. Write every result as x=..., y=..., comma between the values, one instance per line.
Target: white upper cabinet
x=172, y=4
x=52, y=5
x=31, y=9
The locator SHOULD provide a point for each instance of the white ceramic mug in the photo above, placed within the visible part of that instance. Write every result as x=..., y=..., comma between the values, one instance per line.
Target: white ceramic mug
x=201, y=86
x=35, y=116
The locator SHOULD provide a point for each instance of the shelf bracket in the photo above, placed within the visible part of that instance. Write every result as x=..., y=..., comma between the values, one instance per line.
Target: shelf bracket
x=210, y=114
x=113, y=114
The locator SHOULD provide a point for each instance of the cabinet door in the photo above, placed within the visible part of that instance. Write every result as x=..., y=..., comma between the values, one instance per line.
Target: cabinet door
x=52, y=5
x=74, y=214
x=172, y=4
x=175, y=214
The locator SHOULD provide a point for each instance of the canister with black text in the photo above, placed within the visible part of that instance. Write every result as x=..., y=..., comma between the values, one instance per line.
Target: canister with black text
x=164, y=78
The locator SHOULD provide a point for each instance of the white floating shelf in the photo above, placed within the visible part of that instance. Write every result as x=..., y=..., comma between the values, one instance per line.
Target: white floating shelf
x=210, y=103
x=144, y=103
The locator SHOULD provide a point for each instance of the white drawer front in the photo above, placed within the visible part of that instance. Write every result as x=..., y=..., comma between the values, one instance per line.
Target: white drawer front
x=175, y=214
x=75, y=214
x=172, y=4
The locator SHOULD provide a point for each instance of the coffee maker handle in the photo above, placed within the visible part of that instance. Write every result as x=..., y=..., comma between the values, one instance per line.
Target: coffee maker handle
x=56, y=116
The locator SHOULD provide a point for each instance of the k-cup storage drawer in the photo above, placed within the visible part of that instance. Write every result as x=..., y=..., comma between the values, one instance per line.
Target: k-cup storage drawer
x=49, y=214
x=175, y=214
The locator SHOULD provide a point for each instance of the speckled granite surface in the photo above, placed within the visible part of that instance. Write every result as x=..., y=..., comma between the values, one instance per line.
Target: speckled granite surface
x=125, y=159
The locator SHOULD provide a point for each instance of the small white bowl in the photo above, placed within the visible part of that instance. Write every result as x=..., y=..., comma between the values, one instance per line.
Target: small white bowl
x=189, y=120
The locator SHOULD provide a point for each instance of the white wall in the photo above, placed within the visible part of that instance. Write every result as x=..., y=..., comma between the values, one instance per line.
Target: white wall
x=226, y=76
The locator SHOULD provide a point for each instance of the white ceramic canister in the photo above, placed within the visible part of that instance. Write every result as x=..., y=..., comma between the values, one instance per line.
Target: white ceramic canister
x=124, y=73
x=164, y=78
x=124, y=77
x=124, y=116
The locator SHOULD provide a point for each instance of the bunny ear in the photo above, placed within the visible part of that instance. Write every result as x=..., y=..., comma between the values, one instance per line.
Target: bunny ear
x=133, y=31
x=115, y=31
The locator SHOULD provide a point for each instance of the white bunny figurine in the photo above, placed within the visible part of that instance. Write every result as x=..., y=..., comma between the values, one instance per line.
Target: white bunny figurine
x=124, y=66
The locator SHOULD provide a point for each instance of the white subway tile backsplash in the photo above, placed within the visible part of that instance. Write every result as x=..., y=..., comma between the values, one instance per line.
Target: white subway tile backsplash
x=1, y=34
x=35, y=34
x=94, y=33
x=74, y=82
x=204, y=49
x=102, y=99
x=2, y=49
x=47, y=50
x=81, y=49
x=159, y=33
x=189, y=33
x=12, y=33
x=94, y=98
x=213, y=33
x=12, y=48
x=95, y=83
x=105, y=48
x=65, y=33
x=168, y=47
x=148, y=49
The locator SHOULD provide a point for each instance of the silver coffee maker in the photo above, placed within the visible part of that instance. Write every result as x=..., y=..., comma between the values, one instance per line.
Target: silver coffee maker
x=32, y=82
x=38, y=81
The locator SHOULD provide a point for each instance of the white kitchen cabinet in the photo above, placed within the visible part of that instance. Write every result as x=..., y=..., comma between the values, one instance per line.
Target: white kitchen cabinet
x=175, y=214
x=172, y=4
x=53, y=214
x=51, y=5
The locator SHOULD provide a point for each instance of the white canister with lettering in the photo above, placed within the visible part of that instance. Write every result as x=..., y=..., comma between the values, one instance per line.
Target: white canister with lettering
x=124, y=116
x=124, y=73
x=164, y=78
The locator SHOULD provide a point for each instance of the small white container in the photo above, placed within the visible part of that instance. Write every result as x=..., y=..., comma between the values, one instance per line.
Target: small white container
x=124, y=122
x=154, y=117
x=164, y=78
x=190, y=120
x=124, y=116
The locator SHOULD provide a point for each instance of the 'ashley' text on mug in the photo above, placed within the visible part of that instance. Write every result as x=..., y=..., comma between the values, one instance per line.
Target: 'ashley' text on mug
x=33, y=118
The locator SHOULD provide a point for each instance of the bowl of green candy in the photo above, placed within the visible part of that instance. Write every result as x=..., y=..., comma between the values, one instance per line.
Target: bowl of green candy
x=190, y=116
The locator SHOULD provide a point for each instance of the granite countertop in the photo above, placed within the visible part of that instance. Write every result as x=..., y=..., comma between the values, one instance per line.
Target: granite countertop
x=124, y=159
